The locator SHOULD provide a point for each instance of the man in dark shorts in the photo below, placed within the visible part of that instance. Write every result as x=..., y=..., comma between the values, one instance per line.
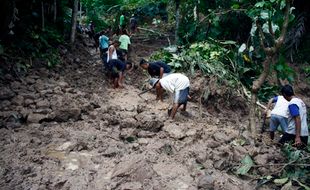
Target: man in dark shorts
x=297, y=130
x=156, y=69
x=133, y=24
x=117, y=69
x=176, y=83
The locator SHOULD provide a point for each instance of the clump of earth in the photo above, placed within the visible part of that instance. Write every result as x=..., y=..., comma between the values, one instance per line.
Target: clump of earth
x=67, y=128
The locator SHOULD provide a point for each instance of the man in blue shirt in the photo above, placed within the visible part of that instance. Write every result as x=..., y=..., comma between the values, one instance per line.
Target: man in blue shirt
x=117, y=71
x=103, y=45
x=297, y=129
x=156, y=69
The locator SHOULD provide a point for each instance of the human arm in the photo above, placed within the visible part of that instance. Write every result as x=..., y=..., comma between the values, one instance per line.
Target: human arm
x=297, y=130
x=161, y=72
x=271, y=101
x=111, y=49
x=159, y=92
x=294, y=111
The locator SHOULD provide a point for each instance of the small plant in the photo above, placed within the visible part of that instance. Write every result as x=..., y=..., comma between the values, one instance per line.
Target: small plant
x=294, y=172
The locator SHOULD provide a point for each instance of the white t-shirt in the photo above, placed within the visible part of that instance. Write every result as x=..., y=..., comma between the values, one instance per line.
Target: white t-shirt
x=114, y=54
x=281, y=107
x=303, y=118
x=174, y=82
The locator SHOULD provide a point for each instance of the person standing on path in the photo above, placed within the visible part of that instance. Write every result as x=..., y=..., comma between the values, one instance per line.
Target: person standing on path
x=156, y=69
x=124, y=44
x=133, y=24
x=103, y=46
x=112, y=53
x=175, y=83
x=122, y=22
x=297, y=130
x=279, y=114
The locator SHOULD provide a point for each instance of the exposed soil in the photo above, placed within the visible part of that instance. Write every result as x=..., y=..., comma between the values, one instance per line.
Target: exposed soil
x=67, y=128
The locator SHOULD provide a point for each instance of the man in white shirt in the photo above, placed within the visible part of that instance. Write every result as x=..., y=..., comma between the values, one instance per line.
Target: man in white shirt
x=175, y=83
x=297, y=130
x=279, y=114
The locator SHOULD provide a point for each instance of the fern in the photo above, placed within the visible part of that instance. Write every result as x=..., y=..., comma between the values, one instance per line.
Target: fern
x=295, y=35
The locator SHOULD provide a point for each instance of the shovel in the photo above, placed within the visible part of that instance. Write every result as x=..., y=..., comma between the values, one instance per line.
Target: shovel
x=143, y=92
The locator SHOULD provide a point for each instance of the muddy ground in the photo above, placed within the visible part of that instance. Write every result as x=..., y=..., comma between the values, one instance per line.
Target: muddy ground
x=66, y=128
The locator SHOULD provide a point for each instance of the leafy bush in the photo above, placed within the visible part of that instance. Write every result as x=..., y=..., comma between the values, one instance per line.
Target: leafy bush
x=210, y=57
x=295, y=171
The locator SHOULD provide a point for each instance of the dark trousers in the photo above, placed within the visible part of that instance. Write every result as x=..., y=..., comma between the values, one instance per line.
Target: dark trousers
x=291, y=138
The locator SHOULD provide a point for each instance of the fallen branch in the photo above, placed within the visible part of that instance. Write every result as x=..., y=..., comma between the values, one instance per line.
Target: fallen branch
x=248, y=96
x=153, y=31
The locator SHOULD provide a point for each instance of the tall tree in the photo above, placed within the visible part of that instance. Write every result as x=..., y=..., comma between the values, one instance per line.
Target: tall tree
x=271, y=48
x=73, y=20
x=177, y=20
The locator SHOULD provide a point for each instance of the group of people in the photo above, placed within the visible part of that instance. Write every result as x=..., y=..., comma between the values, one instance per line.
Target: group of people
x=114, y=55
x=290, y=114
x=289, y=111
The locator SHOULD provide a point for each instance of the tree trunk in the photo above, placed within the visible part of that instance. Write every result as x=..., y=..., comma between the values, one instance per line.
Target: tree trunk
x=177, y=20
x=42, y=15
x=255, y=87
x=55, y=11
x=73, y=20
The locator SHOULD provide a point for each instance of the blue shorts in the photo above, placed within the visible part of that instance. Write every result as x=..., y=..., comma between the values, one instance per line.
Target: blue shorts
x=276, y=120
x=180, y=96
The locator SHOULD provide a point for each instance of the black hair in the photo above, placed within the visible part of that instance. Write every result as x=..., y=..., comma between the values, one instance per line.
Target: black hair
x=287, y=90
x=130, y=64
x=143, y=61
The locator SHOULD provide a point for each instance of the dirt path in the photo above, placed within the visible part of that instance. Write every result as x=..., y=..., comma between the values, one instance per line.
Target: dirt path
x=67, y=129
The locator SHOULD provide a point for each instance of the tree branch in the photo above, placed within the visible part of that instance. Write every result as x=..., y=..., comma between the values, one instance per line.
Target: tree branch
x=270, y=29
x=280, y=40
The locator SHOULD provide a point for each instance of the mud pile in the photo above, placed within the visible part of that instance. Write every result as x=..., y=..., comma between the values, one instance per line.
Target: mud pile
x=67, y=129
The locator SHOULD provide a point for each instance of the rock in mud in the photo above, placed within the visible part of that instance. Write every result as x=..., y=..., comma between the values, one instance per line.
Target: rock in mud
x=43, y=104
x=212, y=143
x=128, y=123
x=18, y=100
x=149, y=122
x=36, y=118
x=131, y=186
x=261, y=159
x=133, y=169
x=6, y=94
x=222, y=137
x=175, y=131
x=64, y=115
x=206, y=182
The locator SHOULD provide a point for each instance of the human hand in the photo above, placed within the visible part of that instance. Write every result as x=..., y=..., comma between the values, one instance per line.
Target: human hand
x=297, y=141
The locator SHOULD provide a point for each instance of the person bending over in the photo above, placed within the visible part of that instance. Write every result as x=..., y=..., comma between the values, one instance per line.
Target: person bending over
x=279, y=114
x=297, y=130
x=156, y=69
x=118, y=69
x=175, y=83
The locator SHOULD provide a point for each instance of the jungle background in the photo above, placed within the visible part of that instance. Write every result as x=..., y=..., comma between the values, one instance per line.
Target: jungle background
x=64, y=127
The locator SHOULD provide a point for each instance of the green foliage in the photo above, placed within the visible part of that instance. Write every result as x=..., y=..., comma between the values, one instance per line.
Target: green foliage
x=295, y=171
x=210, y=57
x=247, y=164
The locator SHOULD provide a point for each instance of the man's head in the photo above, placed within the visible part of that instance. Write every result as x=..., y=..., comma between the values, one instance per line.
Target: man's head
x=144, y=64
x=288, y=92
x=129, y=65
x=153, y=82
x=116, y=43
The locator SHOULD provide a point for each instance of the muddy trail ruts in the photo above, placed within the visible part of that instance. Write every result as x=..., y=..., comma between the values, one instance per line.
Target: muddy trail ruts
x=67, y=128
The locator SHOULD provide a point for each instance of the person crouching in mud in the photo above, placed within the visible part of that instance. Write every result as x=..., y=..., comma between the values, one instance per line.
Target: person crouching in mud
x=117, y=70
x=175, y=83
